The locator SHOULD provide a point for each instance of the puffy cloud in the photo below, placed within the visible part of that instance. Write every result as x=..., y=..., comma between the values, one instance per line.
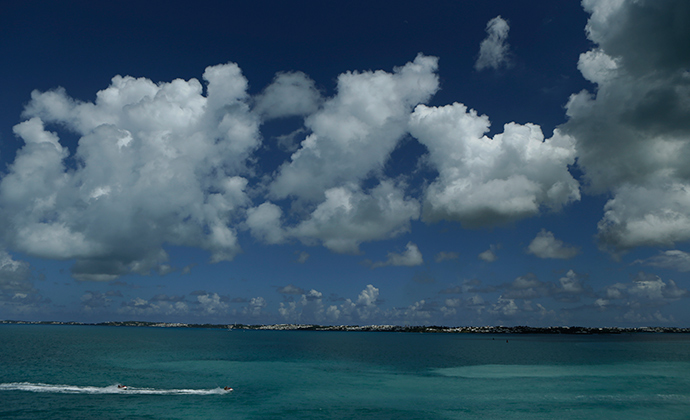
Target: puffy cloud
x=17, y=292
x=350, y=216
x=15, y=276
x=672, y=259
x=484, y=181
x=264, y=223
x=410, y=258
x=367, y=303
x=493, y=51
x=354, y=132
x=633, y=134
x=571, y=283
x=365, y=309
x=212, y=304
x=505, y=307
x=639, y=300
x=155, y=164
x=651, y=215
x=474, y=302
x=421, y=311
x=651, y=287
x=489, y=255
x=527, y=287
x=368, y=297
x=154, y=307
x=290, y=94
x=545, y=245
x=255, y=307
x=309, y=308
x=347, y=217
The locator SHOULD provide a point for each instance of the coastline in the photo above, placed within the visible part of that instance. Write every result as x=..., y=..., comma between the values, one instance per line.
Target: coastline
x=374, y=328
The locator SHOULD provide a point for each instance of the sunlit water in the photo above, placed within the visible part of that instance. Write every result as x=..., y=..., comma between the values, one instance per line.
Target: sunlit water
x=72, y=372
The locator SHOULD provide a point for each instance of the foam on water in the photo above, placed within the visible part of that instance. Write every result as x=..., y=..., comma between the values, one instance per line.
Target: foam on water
x=112, y=389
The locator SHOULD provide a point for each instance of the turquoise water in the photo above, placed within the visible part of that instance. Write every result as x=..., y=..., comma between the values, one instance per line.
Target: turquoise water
x=72, y=372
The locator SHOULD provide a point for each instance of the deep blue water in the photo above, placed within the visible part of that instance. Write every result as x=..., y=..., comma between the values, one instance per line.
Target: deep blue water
x=72, y=372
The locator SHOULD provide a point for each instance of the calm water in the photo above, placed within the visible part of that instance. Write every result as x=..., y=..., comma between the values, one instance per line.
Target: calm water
x=72, y=372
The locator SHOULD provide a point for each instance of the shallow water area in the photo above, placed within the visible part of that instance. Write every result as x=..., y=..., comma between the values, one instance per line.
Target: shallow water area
x=72, y=372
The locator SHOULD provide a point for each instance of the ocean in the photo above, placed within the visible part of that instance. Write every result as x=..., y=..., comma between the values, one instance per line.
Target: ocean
x=73, y=372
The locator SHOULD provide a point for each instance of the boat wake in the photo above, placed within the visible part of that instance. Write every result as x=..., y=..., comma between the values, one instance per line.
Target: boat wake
x=112, y=389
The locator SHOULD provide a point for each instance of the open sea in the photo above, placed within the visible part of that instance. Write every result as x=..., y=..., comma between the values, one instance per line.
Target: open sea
x=72, y=372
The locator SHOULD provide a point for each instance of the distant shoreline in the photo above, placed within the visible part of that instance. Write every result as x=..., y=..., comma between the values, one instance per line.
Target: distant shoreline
x=374, y=328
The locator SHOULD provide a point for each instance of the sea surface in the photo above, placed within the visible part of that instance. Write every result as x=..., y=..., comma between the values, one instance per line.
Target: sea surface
x=72, y=372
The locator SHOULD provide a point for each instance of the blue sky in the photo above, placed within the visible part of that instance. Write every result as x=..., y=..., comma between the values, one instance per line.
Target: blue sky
x=451, y=163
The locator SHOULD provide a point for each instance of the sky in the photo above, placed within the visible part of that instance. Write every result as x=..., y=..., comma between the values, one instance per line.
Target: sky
x=447, y=163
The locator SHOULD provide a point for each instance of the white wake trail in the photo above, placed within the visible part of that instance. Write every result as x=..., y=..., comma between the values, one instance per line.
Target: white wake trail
x=112, y=389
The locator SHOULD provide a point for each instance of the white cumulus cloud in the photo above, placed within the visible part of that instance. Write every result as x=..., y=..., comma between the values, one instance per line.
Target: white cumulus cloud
x=410, y=258
x=350, y=216
x=290, y=94
x=354, y=132
x=545, y=245
x=493, y=51
x=633, y=131
x=671, y=259
x=489, y=181
x=156, y=163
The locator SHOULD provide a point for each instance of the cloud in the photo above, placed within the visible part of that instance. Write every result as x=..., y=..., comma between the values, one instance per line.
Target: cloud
x=143, y=307
x=212, y=304
x=545, y=245
x=505, y=307
x=466, y=286
x=672, y=260
x=493, y=51
x=572, y=288
x=650, y=215
x=653, y=288
x=638, y=301
x=15, y=276
x=350, y=216
x=290, y=94
x=474, y=302
x=155, y=164
x=290, y=289
x=527, y=287
x=347, y=217
x=571, y=283
x=420, y=312
x=17, y=292
x=489, y=255
x=95, y=301
x=265, y=224
x=302, y=257
x=446, y=256
x=632, y=133
x=255, y=308
x=354, y=132
x=487, y=182
x=309, y=308
x=410, y=258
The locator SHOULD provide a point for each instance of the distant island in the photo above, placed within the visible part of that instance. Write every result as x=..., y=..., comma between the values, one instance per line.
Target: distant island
x=377, y=328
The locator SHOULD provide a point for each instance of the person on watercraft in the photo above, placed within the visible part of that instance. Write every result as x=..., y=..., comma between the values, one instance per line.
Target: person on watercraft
x=227, y=388
x=122, y=386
